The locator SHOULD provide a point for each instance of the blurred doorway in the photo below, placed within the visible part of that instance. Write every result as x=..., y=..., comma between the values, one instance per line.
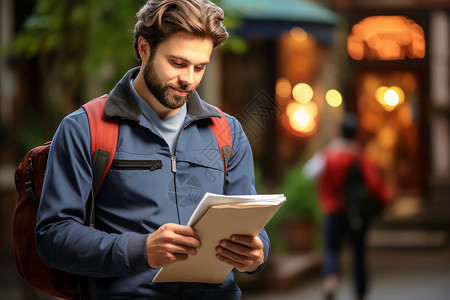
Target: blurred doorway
x=391, y=116
x=387, y=54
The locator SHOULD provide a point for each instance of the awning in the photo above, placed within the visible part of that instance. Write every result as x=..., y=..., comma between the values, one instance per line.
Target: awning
x=268, y=18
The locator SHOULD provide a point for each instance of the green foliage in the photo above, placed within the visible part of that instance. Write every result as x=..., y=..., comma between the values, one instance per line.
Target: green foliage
x=80, y=40
x=82, y=34
x=302, y=205
x=302, y=201
x=31, y=134
x=111, y=37
x=72, y=42
x=46, y=28
x=236, y=45
x=83, y=48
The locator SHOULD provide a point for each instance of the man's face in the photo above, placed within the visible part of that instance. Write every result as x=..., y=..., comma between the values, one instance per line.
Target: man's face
x=176, y=68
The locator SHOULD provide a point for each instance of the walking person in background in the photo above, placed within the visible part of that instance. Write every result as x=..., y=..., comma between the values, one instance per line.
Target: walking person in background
x=331, y=167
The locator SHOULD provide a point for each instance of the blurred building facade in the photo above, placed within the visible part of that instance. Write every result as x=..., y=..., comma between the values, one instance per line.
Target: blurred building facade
x=285, y=46
x=399, y=51
x=388, y=61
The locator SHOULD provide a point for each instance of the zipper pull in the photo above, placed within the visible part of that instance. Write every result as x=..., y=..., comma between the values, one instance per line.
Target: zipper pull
x=174, y=163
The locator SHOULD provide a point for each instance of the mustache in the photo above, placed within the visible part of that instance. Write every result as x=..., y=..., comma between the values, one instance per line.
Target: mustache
x=183, y=87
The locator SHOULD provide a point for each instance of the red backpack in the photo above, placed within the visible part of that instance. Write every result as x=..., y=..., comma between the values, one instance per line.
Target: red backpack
x=29, y=178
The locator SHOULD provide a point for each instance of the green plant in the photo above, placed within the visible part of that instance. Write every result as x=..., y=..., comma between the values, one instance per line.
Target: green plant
x=302, y=201
x=300, y=214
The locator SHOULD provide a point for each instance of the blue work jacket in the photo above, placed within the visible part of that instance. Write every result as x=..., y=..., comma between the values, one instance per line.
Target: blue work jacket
x=135, y=201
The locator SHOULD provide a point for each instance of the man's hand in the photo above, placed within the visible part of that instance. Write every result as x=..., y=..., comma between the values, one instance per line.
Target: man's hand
x=245, y=253
x=171, y=243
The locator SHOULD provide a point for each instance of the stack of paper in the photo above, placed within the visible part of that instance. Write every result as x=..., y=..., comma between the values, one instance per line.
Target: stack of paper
x=218, y=217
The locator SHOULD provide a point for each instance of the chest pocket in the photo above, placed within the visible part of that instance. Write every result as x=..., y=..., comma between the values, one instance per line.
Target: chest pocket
x=136, y=164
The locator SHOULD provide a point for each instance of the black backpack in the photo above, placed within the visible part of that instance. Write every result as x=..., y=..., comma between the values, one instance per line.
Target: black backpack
x=360, y=205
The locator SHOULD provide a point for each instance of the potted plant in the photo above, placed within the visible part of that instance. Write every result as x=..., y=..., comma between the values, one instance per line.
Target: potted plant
x=298, y=219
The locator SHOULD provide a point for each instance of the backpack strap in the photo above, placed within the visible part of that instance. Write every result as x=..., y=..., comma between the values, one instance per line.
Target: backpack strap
x=222, y=132
x=104, y=133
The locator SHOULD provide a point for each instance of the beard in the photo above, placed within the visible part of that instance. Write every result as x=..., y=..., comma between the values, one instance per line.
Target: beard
x=162, y=91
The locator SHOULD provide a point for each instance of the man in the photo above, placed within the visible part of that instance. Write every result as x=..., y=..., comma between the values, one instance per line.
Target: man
x=330, y=166
x=141, y=213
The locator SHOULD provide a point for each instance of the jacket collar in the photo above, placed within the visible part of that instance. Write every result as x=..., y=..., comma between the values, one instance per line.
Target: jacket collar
x=122, y=104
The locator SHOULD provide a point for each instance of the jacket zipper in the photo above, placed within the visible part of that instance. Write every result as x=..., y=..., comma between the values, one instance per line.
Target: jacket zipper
x=173, y=160
x=136, y=164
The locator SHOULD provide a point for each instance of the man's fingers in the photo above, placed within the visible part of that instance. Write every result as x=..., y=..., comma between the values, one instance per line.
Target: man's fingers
x=230, y=254
x=181, y=249
x=181, y=235
x=238, y=249
x=229, y=261
x=249, y=241
x=175, y=239
x=243, y=245
x=171, y=243
x=245, y=253
x=182, y=230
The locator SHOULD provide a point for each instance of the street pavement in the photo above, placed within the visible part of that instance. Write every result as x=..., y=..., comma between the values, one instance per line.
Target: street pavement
x=400, y=274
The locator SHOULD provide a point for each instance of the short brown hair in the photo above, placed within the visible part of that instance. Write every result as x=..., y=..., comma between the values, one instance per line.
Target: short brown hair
x=158, y=19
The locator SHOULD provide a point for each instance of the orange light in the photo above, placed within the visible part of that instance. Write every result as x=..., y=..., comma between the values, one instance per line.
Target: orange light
x=302, y=122
x=283, y=87
x=292, y=108
x=390, y=97
x=299, y=34
x=400, y=94
x=387, y=137
x=302, y=93
x=334, y=98
x=355, y=50
x=379, y=94
x=302, y=117
x=390, y=50
x=386, y=38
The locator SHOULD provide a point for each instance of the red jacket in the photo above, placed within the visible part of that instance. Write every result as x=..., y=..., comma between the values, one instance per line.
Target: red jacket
x=338, y=158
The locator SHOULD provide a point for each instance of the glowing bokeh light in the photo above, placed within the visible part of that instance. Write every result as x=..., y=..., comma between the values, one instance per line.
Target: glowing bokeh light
x=302, y=122
x=334, y=98
x=298, y=34
x=400, y=93
x=292, y=108
x=283, y=87
x=302, y=93
x=391, y=98
x=386, y=38
x=379, y=94
x=302, y=117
